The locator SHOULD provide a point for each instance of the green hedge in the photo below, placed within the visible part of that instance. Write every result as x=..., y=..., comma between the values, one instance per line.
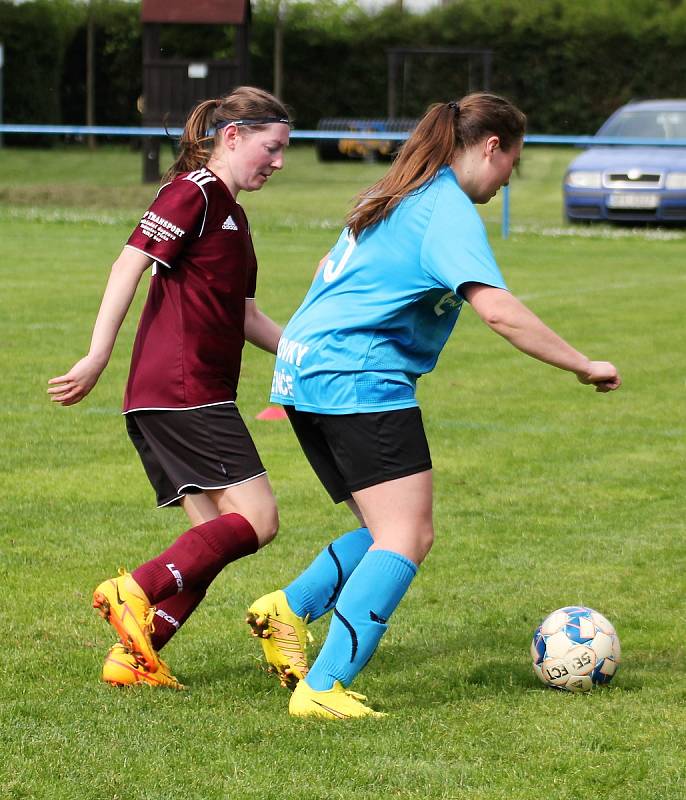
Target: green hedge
x=117, y=66
x=567, y=63
x=35, y=37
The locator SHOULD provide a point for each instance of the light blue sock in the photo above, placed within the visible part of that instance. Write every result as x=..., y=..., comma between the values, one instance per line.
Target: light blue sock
x=316, y=590
x=368, y=599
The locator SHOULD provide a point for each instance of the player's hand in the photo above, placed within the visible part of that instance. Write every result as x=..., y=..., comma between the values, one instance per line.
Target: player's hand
x=74, y=386
x=602, y=375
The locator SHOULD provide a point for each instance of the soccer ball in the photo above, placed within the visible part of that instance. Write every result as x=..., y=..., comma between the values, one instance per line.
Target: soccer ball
x=575, y=649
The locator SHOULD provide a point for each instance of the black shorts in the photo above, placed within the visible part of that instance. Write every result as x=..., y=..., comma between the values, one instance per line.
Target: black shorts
x=349, y=452
x=188, y=451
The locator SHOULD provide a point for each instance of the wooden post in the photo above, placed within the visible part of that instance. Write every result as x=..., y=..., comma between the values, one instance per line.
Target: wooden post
x=90, y=73
x=242, y=39
x=150, y=149
x=2, y=66
x=392, y=110
x=278, y=48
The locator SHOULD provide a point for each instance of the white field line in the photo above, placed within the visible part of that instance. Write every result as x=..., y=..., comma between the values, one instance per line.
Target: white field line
x=623, y=286
x=32, y=214
x=604, y=232
x=527, y=428
x=57, y=215
x=66, y=215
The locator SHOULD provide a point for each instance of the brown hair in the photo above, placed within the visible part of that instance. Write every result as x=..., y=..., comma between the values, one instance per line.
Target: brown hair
x=443, y=130
x=244, y=102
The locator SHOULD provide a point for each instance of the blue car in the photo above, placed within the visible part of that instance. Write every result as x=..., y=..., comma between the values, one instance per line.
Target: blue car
x=633, y=183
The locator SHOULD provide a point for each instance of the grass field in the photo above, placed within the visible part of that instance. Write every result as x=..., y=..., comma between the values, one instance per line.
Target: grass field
x=547, y=494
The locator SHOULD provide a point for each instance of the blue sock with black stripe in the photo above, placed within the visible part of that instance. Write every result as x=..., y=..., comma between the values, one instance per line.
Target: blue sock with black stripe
x=360, y=617
x=316, y=590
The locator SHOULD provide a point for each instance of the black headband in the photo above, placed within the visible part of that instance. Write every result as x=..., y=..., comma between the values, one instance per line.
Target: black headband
x=455, y=106
x=256, y=121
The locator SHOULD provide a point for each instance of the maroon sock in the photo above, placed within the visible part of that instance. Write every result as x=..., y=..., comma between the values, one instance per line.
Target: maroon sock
x=172, y=613
x=196, y=557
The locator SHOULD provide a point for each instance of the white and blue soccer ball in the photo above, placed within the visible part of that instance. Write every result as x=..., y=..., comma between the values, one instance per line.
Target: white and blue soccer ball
x=574, y=649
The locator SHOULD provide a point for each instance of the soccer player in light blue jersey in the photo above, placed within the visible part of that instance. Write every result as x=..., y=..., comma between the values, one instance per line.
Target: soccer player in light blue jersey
x=380, y=309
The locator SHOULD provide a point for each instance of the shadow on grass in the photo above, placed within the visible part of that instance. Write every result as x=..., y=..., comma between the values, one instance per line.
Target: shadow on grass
x=443, y=673
x=249, y=675
x=440, y=677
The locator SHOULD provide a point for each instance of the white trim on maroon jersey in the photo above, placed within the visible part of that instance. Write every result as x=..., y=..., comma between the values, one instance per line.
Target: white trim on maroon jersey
x=200, y=177
x=160, y=189
x=185, y=408
x=154, y=260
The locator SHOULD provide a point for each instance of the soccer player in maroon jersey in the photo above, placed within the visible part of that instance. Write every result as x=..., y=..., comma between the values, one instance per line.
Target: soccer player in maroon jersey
x=180, y=397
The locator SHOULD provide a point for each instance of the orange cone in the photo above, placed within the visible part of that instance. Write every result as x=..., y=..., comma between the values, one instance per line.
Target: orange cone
x=272, y=412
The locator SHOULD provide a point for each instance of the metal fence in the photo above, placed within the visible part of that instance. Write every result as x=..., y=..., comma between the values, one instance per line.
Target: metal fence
x=313, y=136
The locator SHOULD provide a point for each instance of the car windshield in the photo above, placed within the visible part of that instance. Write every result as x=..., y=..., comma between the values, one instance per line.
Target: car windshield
x=647, y=123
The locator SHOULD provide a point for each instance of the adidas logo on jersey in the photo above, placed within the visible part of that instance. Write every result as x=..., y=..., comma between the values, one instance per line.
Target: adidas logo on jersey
x=229, y=224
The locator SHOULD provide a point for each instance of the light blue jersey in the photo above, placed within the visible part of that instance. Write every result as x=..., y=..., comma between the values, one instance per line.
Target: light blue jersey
x=381, y=309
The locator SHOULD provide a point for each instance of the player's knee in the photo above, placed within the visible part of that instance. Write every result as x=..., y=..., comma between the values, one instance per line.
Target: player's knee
x=424, y=543
x=266, y=524
x=263, y=517
x=414, y=543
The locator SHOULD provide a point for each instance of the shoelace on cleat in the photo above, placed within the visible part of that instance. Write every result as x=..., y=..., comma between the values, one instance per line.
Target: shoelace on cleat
x=308, y=635
x=149, y=619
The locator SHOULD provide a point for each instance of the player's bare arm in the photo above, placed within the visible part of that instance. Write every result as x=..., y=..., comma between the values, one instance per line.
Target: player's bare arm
x=509, y=317
x=125, y=276
x=321, y=264
x=260, y=329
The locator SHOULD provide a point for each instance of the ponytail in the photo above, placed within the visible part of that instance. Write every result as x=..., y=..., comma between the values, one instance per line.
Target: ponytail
x=193, y=149
x=200, y=131
x=445, y=129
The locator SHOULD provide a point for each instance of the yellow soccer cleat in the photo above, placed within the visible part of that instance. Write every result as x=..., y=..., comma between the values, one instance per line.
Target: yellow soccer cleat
x=122, y=669
x=124, y=605
x=283, y=635
x=335, y=703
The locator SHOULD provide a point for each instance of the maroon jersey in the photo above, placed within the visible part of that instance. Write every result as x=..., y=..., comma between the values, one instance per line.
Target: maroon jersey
x=190, y=336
